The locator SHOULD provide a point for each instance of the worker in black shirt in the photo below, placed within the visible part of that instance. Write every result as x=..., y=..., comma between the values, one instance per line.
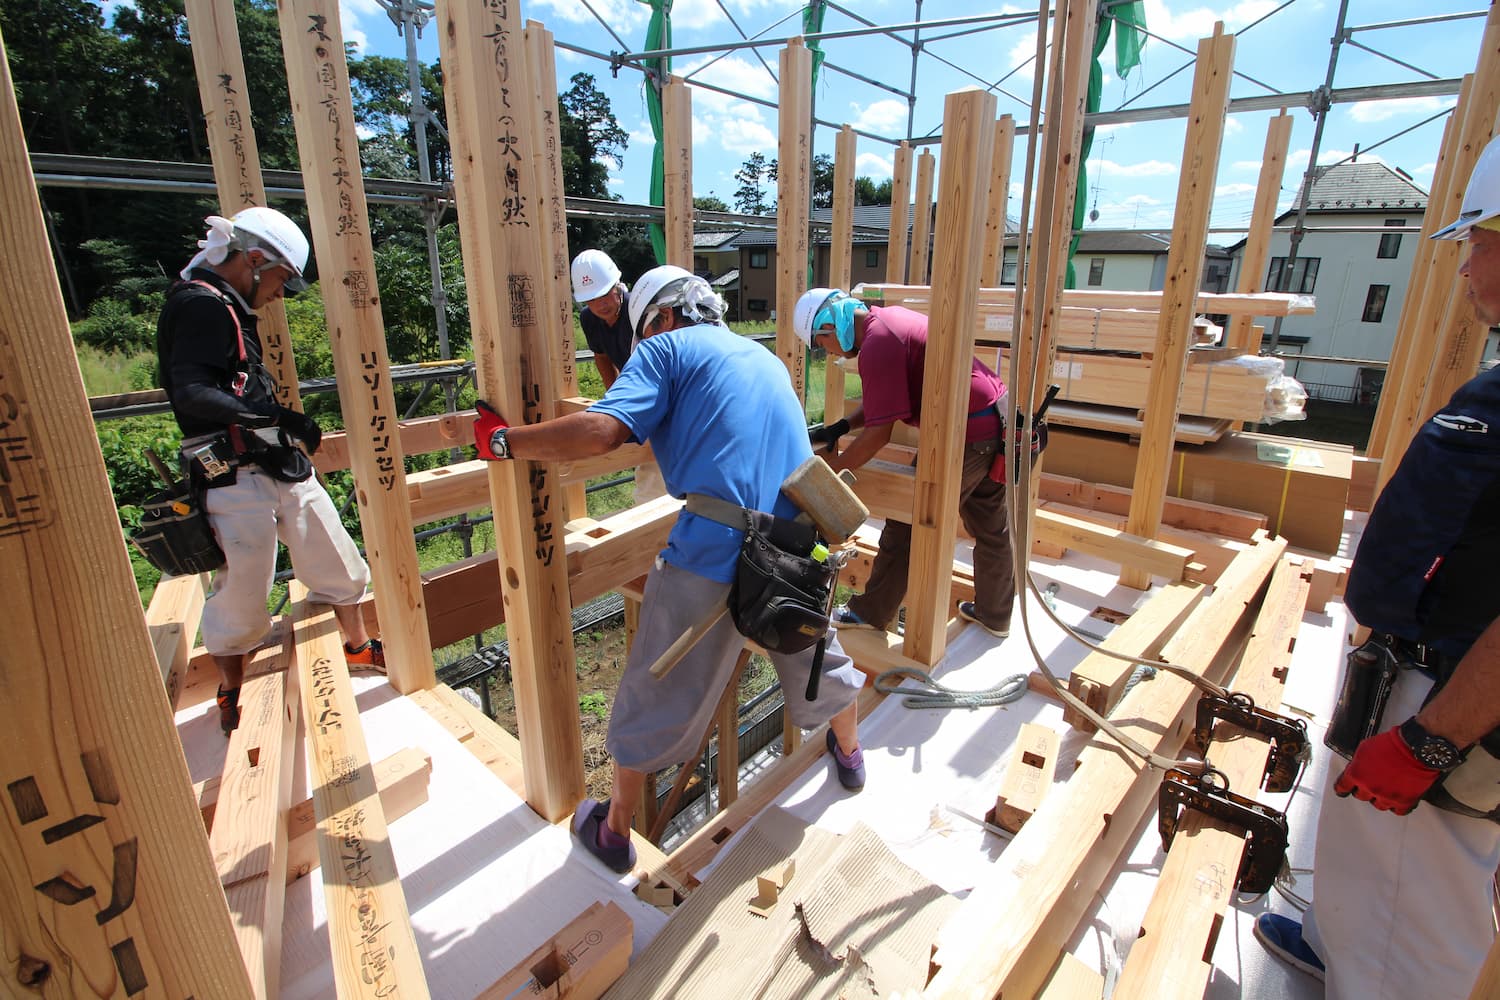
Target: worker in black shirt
x=239, y=446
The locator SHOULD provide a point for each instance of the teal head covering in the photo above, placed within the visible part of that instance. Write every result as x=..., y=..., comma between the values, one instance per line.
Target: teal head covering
x=838, y=312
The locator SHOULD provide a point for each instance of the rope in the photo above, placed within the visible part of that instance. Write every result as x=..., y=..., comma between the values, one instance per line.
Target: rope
x=938, y=696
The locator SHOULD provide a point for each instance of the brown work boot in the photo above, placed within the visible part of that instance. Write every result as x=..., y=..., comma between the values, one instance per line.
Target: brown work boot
x=229, y=709
x=370, y=656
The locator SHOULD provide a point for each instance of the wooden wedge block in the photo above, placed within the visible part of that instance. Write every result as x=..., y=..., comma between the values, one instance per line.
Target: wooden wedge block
x=768, y=886
x=1033, y=762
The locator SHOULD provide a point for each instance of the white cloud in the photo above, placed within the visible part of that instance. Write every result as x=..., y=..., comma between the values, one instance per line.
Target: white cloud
x=742, y=74
x=1233, y=126
x=350, y=14
x=1366, y=112
x=1246, y=165
x=1329, y=156
x=1148, y=168
x=627, y=17
x=882, y=117
x=746, y=136
x=1191, y=25
x=873, y=166
x=1140, y=200
x=1234, y=190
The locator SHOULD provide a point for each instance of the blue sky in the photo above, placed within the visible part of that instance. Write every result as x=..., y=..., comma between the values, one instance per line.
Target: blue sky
x=1134, y=168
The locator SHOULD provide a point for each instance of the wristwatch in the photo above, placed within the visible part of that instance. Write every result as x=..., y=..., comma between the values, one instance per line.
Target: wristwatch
x=1431, y=750
x=500, y=443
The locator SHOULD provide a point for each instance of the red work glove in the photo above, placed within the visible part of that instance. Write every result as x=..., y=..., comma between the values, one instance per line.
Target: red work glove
x=486, y=424
x=1386, y=774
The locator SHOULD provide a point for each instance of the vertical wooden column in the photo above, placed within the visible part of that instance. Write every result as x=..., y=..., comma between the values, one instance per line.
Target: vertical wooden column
x=1200, y=166
x=498, y=215
x=993, y=267
x=1241, y=335
x=547, y=161
x=107, y=884
x=318, y=79
x=231, y=141
x=921, y=226
x=968, y=144
x=1401, y=374
x=840, y=257
x=793, y=202
x=677, y=170
x=895, y=252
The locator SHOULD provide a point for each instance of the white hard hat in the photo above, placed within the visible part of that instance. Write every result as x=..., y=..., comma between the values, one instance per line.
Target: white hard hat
x=276, y=234
x=1481, y=197
x=807, y=307
x=593, y=275
x=662, y=285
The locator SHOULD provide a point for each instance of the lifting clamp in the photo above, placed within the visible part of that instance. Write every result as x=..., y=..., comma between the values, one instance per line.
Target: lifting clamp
x=1288, y=737
x=1265, y=828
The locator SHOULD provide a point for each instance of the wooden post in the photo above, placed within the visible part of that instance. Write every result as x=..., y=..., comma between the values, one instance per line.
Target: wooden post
x=793, y=198
x=318, y=79
x=1487, y=984
x=498, y=216
x=840, y=257
x=677, y=170
x=557, y=286
x=895, y=253
x=231, y=142
x=993, y=269
x=921, y=226
x=968, y=142
x=370, y=935
x=1200, y=165
x=107, y=881
x=1240, y=337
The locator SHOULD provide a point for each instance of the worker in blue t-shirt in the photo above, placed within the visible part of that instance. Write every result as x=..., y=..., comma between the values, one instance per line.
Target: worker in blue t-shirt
x=721, y=415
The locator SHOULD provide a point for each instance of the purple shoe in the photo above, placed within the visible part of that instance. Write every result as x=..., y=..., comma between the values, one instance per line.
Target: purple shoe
x=852, y=774
x=587, y=821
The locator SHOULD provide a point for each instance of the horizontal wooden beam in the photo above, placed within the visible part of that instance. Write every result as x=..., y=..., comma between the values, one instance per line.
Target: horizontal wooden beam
x=579, y=962
x=1216, y=303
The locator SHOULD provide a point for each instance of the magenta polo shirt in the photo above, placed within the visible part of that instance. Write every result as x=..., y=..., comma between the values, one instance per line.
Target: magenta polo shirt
x=892, y=358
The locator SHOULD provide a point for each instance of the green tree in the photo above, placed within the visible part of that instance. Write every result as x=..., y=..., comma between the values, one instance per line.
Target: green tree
x=867, y=192
x=710, y=203
x=750, y=197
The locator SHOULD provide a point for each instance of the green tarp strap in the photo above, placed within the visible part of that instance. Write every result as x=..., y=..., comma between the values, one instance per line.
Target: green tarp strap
x=1129, y=39
x=658, y=36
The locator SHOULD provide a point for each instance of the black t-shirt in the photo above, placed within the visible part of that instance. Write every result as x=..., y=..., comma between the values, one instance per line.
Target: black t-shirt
x=611, y=341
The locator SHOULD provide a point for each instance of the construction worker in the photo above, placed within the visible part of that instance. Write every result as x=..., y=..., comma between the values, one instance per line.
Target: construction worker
x=721, y=415
x=239, y=449
x=1408, y=841
x=890, y=346
x=604, y=314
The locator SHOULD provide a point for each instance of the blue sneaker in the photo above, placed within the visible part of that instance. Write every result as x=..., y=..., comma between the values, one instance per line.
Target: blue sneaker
x=967, y=613
x=842, y=617
x=587, y=821
x=852, y=774
x=1282, y=937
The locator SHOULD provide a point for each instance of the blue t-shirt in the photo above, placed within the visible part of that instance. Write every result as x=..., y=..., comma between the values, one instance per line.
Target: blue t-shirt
x=720, y=414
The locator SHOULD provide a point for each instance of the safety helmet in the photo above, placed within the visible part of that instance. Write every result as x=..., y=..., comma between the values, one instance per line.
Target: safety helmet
x=593, y=275
x=1481, y=197
x=276, y=235
x=807, y=307
x=666, y=285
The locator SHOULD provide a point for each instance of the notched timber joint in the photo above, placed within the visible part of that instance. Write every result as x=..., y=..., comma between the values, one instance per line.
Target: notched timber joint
x=1265, y=828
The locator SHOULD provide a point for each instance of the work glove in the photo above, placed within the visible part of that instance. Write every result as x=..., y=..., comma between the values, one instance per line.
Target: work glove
x=1038, y=445
x=486, y=425
x=302, y=427
x=828, y=436
x=1385, y=773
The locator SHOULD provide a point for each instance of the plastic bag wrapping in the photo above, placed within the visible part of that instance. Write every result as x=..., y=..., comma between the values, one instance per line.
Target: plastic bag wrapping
x=1285, y=400
x=1258, y=365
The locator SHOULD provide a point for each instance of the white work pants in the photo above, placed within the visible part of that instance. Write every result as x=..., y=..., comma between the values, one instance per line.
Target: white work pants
x=1401, y=904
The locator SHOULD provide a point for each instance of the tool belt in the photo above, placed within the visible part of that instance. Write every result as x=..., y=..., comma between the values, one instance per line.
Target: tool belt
x=212, y=459
x=174, y=534
x=781, y=595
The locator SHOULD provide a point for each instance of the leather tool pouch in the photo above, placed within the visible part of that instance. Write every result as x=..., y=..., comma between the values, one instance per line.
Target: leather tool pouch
x=1369, y=675
x=174, y=535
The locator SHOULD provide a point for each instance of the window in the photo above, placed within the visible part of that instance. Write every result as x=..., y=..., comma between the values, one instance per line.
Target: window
x=1375, y=303
x=1304, y=275
x=759, y=258
x=1096, y=270
x=1390, y=243
x=1008, y=273
x=872, y=258
x=756, y=305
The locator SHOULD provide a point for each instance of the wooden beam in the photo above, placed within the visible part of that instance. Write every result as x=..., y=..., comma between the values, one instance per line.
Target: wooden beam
x=418, y=437
x=895, y=253
x=401, y=780
x=107, y=881
x=677, y=170
x=840, y=253
x=1173, y=956
x=1488, y=982
x=1228, y=303
x=318, y=80
x=249, y=835
x=225, y=94
x=369, y=929
x=497, y=201
x=1241, y=337
x=579, y=962
x=968, y=142
x=1005, y=937
x=1028, y=776
x=172, y=621
x=993, y=266
x=1200, y=162
x=557, y=297
x=482, y=736
x=921, y=227
x=793, y=197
